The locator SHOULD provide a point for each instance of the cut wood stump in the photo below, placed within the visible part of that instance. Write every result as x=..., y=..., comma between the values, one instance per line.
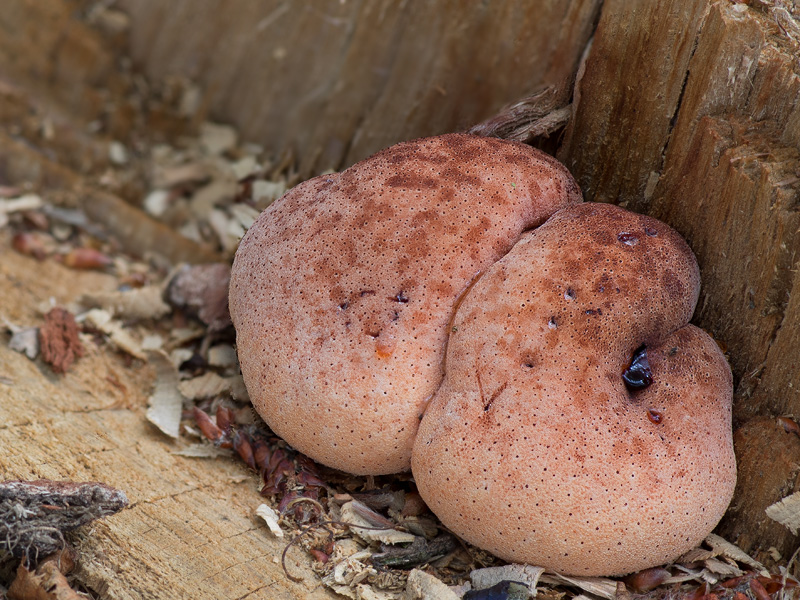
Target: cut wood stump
x=688, y=110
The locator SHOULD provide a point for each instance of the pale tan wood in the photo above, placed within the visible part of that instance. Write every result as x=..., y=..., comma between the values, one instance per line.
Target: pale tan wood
x=337, y=81
x=628, y=96
x=190, y=531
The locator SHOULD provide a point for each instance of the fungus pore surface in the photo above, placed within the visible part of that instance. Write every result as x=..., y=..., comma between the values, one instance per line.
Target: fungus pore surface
x=535, y=449
x=342, y=291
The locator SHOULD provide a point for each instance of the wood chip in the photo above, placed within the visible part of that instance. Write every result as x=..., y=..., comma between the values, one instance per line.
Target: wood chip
x=222, y=355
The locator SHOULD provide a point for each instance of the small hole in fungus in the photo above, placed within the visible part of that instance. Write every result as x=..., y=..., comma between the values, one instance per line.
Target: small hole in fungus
x=650, y=231
x=569, y=294
x=628, y=239
x=638, y=375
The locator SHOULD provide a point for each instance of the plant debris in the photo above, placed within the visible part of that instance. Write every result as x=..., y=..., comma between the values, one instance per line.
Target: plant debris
x=58, y=340
x=365, y=537
x=35, y=514
x=47, y=581
x=271, y=519
x=786, y=512
x=166, y=403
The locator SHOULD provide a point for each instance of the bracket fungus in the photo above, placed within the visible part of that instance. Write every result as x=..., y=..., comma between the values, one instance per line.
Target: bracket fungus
x=583, y=425
x=342, y=291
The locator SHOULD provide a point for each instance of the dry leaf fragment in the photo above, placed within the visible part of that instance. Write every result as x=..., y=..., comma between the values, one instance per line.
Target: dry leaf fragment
x=271, y=518
x=786, y=512
x=47, y=581
x=166, y=403
x=722, y=569
x=58, y=340
x=202, y=290
x=207, y=385
x=734, y=552
x=527, y=574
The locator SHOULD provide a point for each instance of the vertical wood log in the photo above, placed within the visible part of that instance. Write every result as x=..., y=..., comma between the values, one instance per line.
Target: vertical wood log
x=338, y=81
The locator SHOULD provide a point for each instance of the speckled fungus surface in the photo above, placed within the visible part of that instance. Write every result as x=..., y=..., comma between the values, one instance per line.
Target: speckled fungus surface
x=343, y=290
x=536, y=448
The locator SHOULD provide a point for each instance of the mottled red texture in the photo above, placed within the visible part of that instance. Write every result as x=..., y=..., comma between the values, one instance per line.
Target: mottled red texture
x=534, y=449
x=59, y=341
x=342, y=291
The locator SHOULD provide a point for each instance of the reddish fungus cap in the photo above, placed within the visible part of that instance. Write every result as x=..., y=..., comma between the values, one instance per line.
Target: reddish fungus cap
x=342, y=291
x=535, y=449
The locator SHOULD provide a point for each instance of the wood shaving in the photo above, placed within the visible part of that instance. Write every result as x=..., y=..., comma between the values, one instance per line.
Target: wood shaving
x=271, y=518
x=22, y=203
x=423, y=586
x=786, y=512
x=489, y=576
x=207, y=385
x=201, y=451
x=136, y=304
x=166, y=403
x=733, y=551
x=598, y=586
x=103, y=321
x=386, y=536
